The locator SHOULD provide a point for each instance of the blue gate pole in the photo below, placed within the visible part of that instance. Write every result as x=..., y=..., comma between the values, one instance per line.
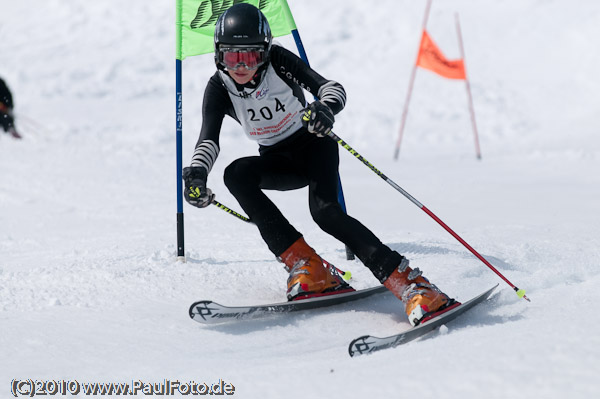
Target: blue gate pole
x=342, y=202
x=178, y=139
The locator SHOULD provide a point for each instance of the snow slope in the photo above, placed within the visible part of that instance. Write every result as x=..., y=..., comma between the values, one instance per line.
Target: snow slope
x=89, y=286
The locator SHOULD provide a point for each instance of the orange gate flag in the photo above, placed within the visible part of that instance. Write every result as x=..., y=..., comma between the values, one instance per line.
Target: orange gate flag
x=431, y=57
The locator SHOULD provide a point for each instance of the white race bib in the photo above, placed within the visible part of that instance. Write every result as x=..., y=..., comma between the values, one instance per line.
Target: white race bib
x=270, y=113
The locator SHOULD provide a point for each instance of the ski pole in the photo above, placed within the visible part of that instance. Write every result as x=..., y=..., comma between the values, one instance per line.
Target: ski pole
x=345, y=275
x=232, y=212
x=520, y=293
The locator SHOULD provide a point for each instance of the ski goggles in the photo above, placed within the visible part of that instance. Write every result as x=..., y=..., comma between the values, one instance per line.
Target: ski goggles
x=234, y=57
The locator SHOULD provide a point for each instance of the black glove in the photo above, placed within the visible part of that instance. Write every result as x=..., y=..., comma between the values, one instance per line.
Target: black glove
x=318, y=118
x=195, y=192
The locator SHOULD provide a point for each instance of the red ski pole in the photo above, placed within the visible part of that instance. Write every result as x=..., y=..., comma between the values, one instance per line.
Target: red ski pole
x=520, y=293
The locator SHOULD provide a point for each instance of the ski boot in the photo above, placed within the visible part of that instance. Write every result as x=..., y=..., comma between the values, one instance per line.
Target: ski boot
x=308, y=274
x=421, y=298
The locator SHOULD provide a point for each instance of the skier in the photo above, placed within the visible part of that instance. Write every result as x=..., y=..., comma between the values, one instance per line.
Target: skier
x=7, y=120
x=260, y=85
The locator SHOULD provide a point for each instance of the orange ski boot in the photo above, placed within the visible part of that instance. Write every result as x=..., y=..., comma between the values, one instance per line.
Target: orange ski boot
x=308, y=275
x=420, y=297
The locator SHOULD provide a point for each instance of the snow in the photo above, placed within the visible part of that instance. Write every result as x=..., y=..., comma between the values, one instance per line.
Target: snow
x=90, y=289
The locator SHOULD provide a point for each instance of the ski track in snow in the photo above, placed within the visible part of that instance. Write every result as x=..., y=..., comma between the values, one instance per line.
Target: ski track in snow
x=89, y=285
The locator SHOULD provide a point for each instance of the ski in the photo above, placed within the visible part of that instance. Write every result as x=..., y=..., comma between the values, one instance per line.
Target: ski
x=209, y=312
x=367, y=344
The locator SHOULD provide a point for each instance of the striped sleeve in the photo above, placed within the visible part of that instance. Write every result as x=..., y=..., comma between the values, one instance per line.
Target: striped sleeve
x=205, y=154
x=333, y=94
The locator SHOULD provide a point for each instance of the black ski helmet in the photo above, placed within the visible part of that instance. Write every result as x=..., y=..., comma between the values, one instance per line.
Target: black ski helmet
x=240, y=25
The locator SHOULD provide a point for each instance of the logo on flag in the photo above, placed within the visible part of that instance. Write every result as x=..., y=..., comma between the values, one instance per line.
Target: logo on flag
x=214, y=8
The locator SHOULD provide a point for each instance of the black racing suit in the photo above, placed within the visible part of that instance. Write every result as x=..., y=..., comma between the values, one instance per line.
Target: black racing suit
x=298, y=160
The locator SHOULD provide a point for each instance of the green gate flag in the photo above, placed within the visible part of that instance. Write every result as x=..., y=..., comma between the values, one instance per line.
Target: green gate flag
x=196, y=20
